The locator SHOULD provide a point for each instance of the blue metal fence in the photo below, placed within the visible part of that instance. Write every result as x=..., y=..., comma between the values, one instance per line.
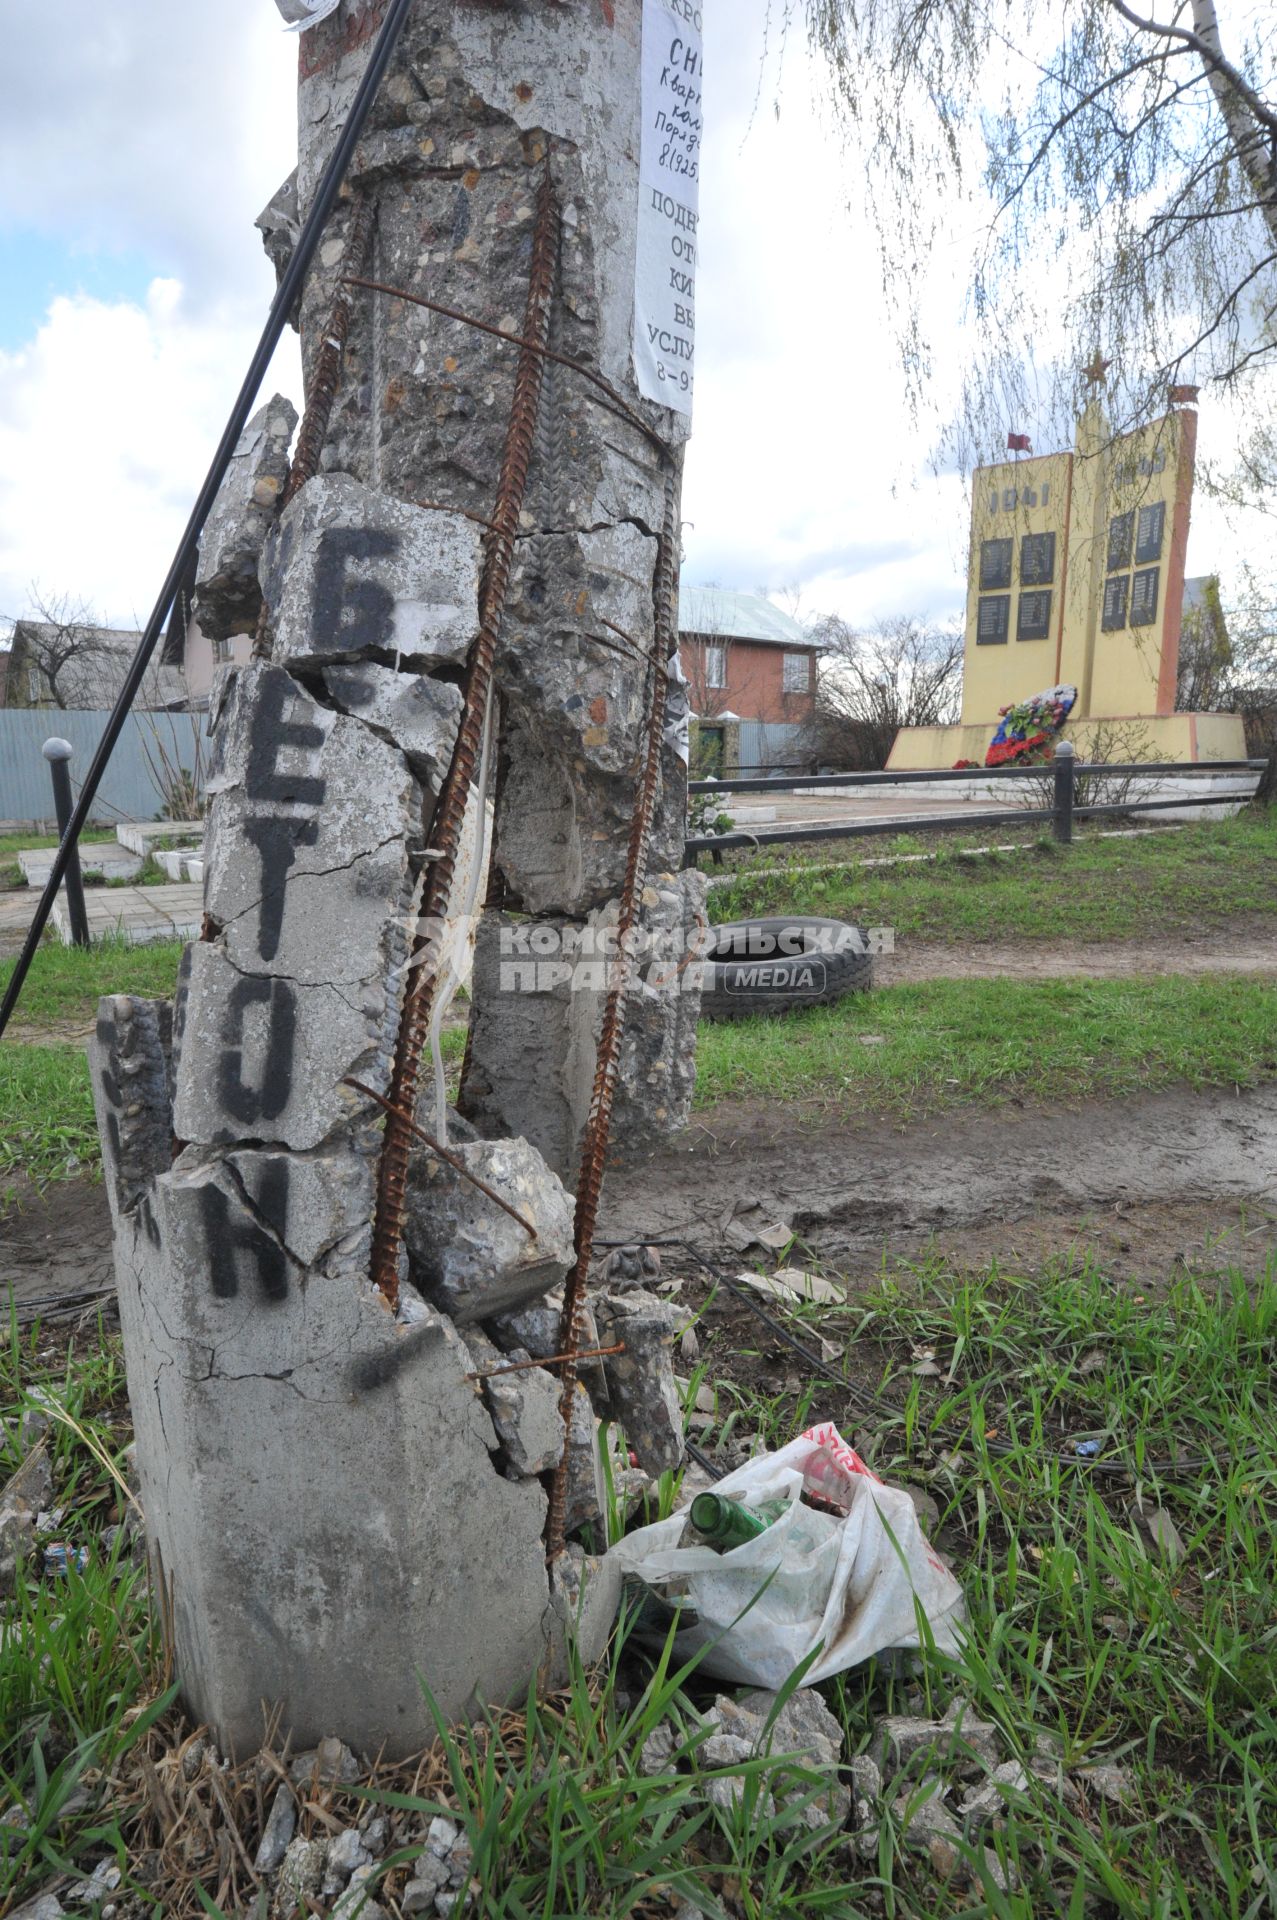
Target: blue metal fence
x=767, y=744
x=130, y=790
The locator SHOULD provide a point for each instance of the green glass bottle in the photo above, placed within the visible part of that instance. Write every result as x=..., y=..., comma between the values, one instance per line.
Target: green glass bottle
x=725, y=1524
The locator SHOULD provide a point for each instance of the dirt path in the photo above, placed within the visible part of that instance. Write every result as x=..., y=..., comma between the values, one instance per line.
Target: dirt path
x=1248, y=947
x=55, y=1244
x=1175, y=1176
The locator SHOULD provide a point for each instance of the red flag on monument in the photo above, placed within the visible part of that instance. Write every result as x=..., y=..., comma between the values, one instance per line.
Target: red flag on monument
x=1018, y=443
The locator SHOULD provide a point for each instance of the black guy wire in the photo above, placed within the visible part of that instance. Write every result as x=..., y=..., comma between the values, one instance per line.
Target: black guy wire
x=285, y=299
x=871, y=1404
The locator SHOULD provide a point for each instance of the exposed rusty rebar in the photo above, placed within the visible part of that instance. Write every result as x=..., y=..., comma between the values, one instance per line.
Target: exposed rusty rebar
x=450, y=813
x=553, y=1360
x=442, y=1153
x=325, y=380
x=599, y=1126
x=529, y=343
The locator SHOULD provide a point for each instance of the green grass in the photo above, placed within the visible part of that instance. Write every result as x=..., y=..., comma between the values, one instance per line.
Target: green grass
x=1083, y=1644
x=1078, y=1631
x=78, y=1667
x=1180, y=883
x=47, y=1126
x=947, y=1041
x=935, y=1045
x=66, y=983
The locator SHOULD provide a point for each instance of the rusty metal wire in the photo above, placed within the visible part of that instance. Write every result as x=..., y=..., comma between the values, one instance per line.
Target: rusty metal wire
x=618, y=404
x=552, y=1360
x=450, y=813
x=599, y=1126
x=442, y=1153
x=325, y=382
x=326, y=377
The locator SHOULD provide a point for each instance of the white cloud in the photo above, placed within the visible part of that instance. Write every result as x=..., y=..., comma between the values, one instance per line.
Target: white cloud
x=164, y=130
x=161, y=130
x=108, y=422
x=804, y=468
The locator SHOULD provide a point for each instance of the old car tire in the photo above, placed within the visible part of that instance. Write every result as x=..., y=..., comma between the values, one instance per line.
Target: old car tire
x=783, y=963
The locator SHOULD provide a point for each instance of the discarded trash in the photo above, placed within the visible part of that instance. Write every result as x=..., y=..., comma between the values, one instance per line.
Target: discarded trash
x=840, y=1584
x=789, y=1284
x=59, y=1559
x=745, y=1225
x=1087, y=1449
x=726, y=1524
x=301, y=14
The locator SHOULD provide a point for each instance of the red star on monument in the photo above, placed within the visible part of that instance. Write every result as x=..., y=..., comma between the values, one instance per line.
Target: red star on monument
x=1094, y=373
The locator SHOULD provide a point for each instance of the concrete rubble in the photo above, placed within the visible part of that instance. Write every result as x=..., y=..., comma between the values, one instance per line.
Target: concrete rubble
x=468, y=1256
x=803, y=1728
x=228, y=595
x=524, y=1406
x=337, y=1507
x=640, y=1381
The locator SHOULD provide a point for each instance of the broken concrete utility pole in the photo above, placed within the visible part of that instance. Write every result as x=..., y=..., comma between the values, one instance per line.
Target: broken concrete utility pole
x=465, y=695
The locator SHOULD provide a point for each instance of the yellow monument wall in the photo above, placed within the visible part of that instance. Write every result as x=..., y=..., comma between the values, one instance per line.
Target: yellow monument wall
x=1011, y=503
x=1076, y=577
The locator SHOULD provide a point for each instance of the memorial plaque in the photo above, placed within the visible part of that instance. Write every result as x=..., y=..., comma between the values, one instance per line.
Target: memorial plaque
x=1144, y=597
x=1037, y=560
x=993, y=620
x=1033, y=619
x=1115, y=592
x=1121, y=533
x=1148, y=538
x=995, y=564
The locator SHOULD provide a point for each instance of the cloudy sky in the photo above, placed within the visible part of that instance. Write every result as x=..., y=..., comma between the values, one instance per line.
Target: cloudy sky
x=139, y=142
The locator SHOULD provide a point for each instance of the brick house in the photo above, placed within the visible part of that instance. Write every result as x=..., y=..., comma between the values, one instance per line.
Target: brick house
x=751, y=680
x=745, y=657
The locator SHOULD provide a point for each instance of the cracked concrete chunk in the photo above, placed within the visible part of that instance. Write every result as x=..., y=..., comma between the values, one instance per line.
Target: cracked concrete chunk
x=237, y=1358
x=924, y=1817
x=264, y=1059
x=418, y=715
x=351, y=574
x=228, y=596
x=641, y=1384
x=312, y=1202
x=803, y=1726
x=585, y=1598
x=279, y=224
x=308, y=869
x=524, y=1407
x=464, y=1252
x=587, y=1492
x=301, y=1876
x=961, y=1738
x=540, y=992
x=281, y=1825
x=990, y=1799
x=346, y=1854
x=331, y=1764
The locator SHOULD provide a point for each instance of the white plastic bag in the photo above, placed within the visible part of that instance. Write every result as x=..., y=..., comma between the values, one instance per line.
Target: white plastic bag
x=844, y=1583
x=301, y=14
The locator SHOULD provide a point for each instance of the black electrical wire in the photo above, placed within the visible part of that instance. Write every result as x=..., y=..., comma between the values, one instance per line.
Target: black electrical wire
x=869, y=1404
x=285, y=299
